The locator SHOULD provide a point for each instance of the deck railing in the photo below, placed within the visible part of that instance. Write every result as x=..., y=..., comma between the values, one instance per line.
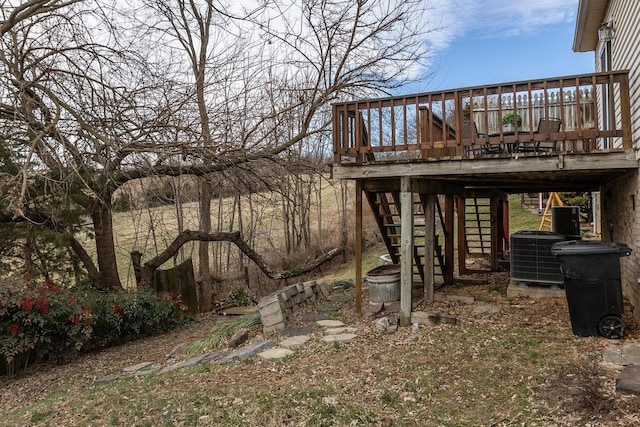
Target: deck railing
x=592, y=112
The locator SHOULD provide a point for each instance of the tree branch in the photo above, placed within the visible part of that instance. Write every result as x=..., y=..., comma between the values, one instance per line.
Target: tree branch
x=149, y=267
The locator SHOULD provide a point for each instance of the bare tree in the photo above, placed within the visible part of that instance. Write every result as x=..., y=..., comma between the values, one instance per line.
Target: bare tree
x=92, y=99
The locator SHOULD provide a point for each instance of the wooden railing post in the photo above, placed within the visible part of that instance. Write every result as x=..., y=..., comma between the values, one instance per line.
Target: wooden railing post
x=390, y=123
x=625, y=111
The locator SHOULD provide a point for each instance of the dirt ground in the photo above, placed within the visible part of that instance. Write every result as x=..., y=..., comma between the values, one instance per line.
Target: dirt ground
x=584, y=396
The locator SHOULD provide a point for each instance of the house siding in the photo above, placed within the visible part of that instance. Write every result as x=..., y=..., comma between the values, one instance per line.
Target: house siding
x=620, y=200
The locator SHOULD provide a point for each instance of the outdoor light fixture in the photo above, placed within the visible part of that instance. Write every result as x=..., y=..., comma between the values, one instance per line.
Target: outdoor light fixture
x=605, y=32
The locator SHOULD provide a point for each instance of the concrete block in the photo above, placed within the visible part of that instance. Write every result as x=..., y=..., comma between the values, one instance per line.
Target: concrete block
x=295, y=341
x=273, y=318
x=338, y=338
x=183, y=365
x=272, y=307
x=308, y=292
x=290, y=290
x=325, y=290
x=138, y=367
x=249, y=351
x=266, y=300
x=330, y=323
x=629, y=380
x=274, y=328
x=515, y=289
x=107, y=379
x=275, y=353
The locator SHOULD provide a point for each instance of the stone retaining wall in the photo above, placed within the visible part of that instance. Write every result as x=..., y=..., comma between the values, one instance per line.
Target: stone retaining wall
x=275, y=308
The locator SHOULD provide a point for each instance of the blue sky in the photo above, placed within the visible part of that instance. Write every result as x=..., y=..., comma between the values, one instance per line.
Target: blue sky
x=490, y=41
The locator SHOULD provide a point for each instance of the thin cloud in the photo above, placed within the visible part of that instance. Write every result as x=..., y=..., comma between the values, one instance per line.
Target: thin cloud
x=496, y=18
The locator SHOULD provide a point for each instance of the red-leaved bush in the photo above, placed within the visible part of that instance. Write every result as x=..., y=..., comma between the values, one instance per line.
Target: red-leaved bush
x=44, y=320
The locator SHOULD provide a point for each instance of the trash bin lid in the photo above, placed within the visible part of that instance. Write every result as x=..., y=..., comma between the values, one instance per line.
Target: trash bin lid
x=589, y=247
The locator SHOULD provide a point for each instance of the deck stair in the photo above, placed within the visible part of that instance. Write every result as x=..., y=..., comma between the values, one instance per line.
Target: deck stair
x=386, y=209
x=477, y=213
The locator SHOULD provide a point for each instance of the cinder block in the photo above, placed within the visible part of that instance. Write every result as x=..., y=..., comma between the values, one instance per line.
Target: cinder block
x=266, y=300
x=290, y=291
x=273, y=318
x=325, y=290
x=272, y=307
x=274, y=328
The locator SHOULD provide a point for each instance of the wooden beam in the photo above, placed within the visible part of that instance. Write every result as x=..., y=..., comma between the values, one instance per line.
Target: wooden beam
x=429, y=245
x=516, y=165
x=419, y=185
x=406, y=250
x=358, y=248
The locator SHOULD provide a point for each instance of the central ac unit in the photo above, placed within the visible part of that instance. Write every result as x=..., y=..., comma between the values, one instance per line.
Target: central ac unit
x=531, y=258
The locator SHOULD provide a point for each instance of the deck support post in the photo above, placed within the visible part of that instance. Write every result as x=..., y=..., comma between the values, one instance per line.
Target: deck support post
x=495, y=208
x=406, y=249
x=358, y=248
x=429, y=246
x=462, y=239
x=448, y=239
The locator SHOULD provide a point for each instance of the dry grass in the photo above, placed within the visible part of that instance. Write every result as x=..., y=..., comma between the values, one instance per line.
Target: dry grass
x=150, y=230
x=521, y=366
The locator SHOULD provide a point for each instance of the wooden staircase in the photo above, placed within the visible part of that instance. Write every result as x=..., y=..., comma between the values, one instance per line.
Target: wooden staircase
x=477, y=212
x=386, y=209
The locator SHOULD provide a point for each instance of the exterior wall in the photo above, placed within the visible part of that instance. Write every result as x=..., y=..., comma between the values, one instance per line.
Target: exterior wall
x=620, y=200
x=620, y=207
x=625, y=52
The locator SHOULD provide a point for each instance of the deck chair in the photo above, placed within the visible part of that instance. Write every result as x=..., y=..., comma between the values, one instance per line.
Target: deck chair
x=470, y=132
x=547, y=126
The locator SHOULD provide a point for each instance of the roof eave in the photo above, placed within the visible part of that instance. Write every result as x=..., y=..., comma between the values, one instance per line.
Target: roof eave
x=590, y=15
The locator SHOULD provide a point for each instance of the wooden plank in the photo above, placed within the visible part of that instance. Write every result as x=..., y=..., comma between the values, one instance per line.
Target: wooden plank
x=406, y=250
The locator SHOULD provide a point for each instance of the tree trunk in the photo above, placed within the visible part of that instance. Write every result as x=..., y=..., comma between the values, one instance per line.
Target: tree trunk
x=105, y=248
x=177, y=196
x=203, y=248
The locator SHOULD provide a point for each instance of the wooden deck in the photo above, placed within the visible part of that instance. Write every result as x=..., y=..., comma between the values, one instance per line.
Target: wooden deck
x=417, y=135
x=448, y=153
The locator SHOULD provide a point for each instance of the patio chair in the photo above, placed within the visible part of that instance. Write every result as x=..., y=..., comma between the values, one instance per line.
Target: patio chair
x=470, y=133
x=547, y=126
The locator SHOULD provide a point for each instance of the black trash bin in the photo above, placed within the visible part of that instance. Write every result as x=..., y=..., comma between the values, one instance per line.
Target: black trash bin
x=591, y=271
